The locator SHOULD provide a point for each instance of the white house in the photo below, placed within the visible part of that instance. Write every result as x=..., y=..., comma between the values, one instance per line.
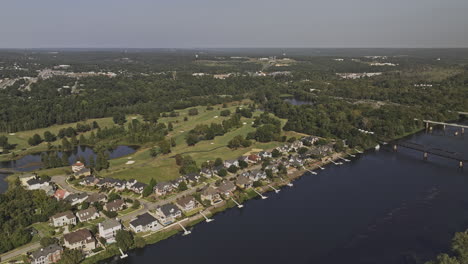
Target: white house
x=108, y=229
x=144, y=223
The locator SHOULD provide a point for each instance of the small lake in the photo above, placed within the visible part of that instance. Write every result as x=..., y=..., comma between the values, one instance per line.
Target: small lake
x=33, y=161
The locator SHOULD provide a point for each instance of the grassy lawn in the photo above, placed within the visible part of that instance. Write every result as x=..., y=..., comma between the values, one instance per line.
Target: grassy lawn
x=128, y=210
x=164, y=168
x=194, y=211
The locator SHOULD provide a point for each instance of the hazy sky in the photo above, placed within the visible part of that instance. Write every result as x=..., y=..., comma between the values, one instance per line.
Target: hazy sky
x=233, y=23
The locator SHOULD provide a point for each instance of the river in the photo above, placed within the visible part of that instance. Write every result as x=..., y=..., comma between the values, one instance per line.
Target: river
x=33, y=161
x=382, y=207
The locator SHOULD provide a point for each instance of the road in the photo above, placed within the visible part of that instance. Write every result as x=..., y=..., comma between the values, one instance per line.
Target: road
x=20, y=251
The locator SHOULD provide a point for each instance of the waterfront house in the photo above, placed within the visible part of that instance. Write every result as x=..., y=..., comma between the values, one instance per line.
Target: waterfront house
x=168, y=213
x=89, y=181
x=144, y=223
x=87, y=214
x=265, y=154
x=254, y=158
x=96, y=198
x=36, y=184
x=257, y=175
x=108, y=229
x=186, y=203
x=46, y=255
x=81, y=239
x=163, y=188
x=137, y=187
x=210, y=194
x=61, y=194
x=76, y=198
x=244, y=182
x=114, y=206
x=226, y=188
x=229, y=163
x=64, y=218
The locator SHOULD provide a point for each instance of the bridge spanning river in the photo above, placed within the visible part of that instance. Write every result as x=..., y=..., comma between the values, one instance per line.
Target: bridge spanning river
x=426, y=150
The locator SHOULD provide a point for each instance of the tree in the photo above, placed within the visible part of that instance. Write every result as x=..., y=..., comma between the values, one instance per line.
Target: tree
x=165, y=147
x=124, y=239
x=64, y=159
x=302, y=150
x=191, y=139
x=218, y=162
x=193, y=111
x=35, y=140
x=232, y=169
x=113, y=196
x=119, y=118
x=269, y=173
x=276, y=153
x=66, y=144
x=71, y=256
x=182, y=186
x=47, y=241
x=225, y=112
x=243, y=164
x=95, y=125
x=154, y=151
x=139, y=242
x=49, y=137
x=222, y=173
x=460, y=246
x=148, y=190
x=136, y=204
x=170, y=127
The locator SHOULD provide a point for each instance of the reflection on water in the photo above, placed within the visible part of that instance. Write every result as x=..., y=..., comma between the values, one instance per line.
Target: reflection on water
x=33, y=161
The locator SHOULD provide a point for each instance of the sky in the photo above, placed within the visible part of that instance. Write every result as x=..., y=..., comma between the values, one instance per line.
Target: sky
x=233, y=23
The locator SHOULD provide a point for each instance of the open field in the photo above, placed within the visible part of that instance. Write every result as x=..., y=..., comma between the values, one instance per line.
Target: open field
x=164, y=168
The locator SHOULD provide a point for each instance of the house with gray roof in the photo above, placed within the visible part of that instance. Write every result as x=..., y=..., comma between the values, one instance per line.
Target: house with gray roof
x=46, y=255
x=144, y=223
x=226, y=188
x=115, y=205
x=244, y=182
x=76, y=198
x=168, y=213
x=108, y=229
x=163, y=188
x=87, y=214
x=81, y=239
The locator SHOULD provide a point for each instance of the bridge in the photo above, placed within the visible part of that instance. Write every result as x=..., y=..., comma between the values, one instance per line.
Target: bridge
x=434, y=151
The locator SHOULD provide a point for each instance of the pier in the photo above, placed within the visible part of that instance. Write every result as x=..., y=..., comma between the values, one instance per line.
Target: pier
x=428, y=122
x=122, y=255
x=313, y=172
x=261, y=195
x=186, y=232
x=346, y=160
x=276, y=190
x=206, y=218
x=238, y=204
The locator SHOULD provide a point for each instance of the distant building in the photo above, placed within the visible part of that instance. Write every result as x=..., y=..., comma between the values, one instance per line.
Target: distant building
x=77, y=166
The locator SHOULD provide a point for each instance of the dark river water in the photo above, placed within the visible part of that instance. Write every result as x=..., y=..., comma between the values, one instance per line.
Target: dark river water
x=382, y=207
x=33, y=161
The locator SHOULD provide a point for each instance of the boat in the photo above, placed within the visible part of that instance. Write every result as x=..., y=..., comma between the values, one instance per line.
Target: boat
x=377, y=147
